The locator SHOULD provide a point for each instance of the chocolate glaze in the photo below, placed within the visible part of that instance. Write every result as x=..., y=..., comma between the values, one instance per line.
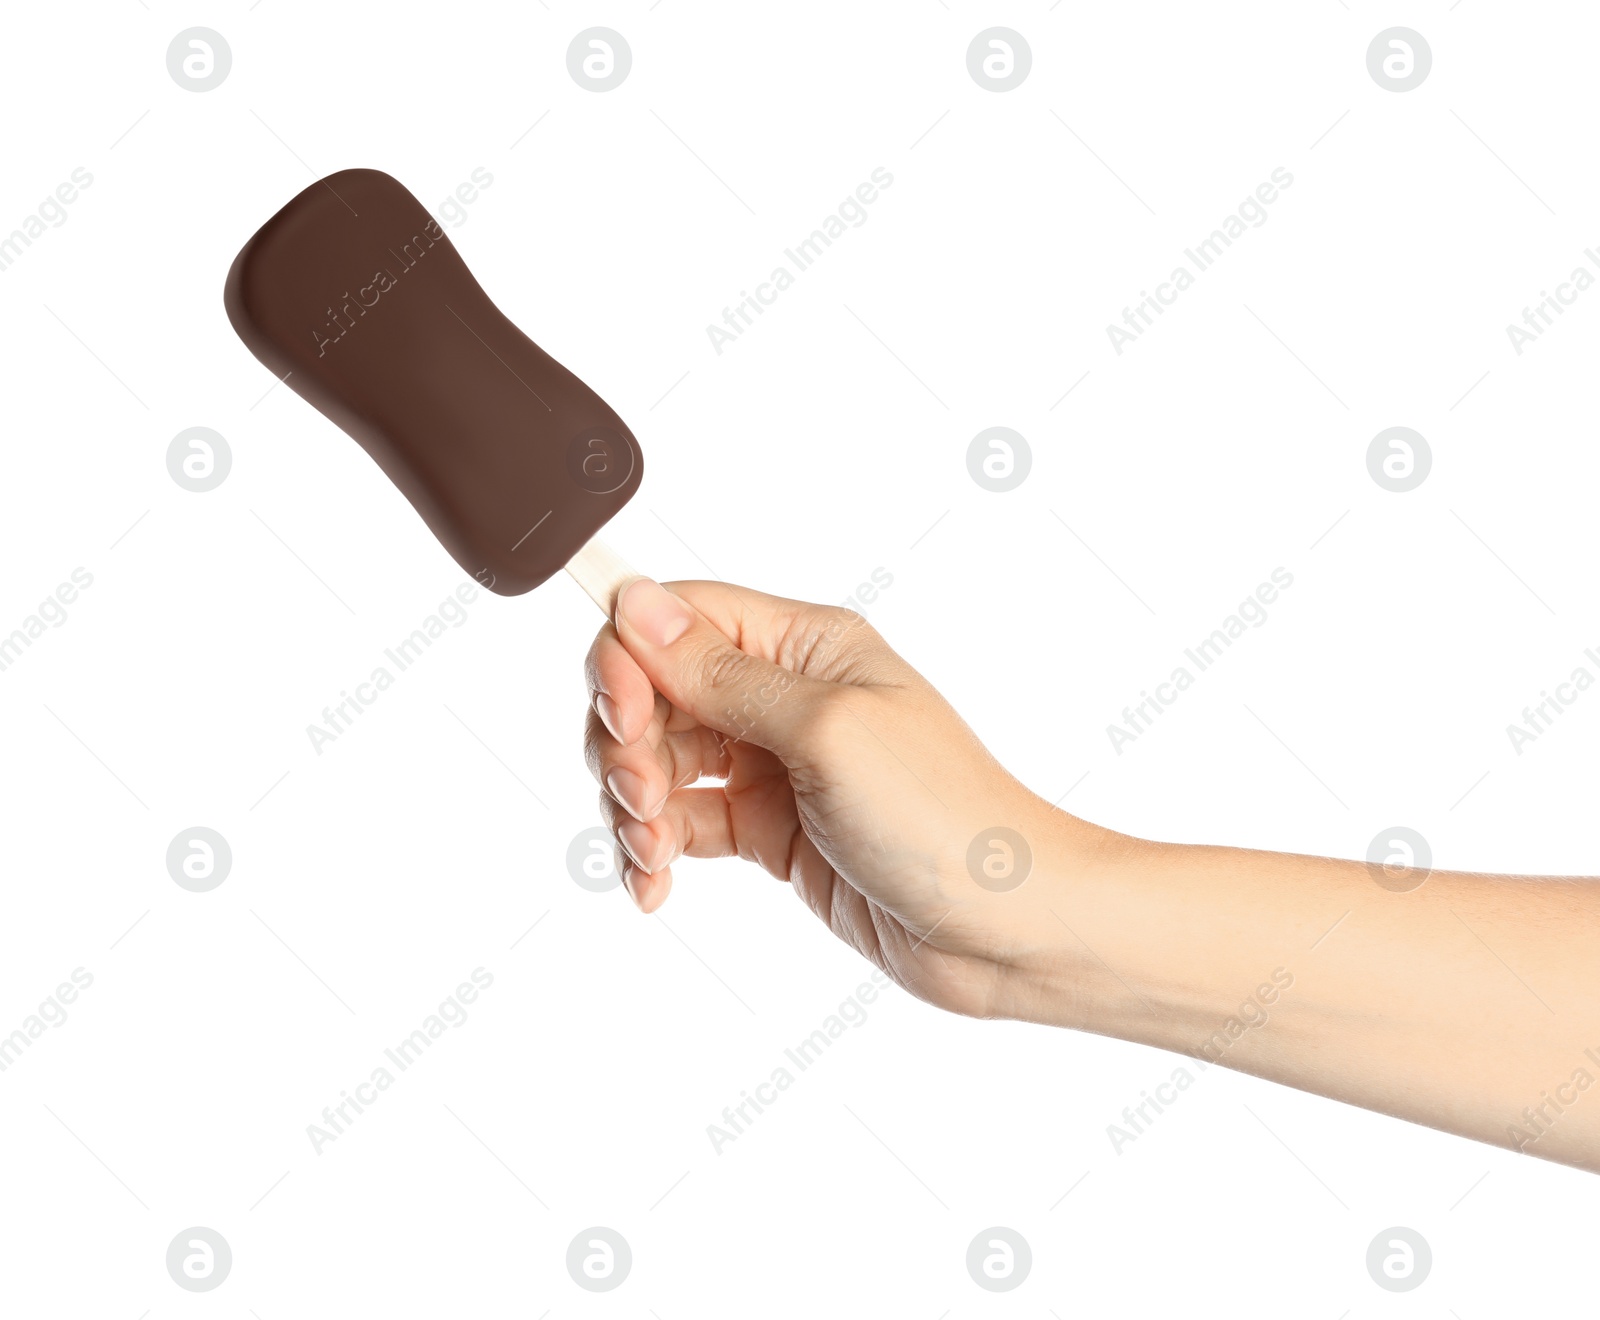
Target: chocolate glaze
x=354, y=291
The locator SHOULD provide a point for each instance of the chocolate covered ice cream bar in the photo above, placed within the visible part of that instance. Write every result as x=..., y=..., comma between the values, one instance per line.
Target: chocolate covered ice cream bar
x=353, y=296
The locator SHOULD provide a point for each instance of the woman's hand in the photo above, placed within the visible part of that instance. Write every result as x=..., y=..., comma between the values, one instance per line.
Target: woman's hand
x=844, y=773
x=847, y=775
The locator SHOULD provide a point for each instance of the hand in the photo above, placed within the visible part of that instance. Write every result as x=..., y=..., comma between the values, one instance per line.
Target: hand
x=848, y=776
x=844, y=773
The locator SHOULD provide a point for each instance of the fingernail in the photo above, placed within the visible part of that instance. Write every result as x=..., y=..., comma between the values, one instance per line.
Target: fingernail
x=654, y=612
x=610, y=716
x=628, y=874
x=640, y=843
x=637, y=842
x=628, y=789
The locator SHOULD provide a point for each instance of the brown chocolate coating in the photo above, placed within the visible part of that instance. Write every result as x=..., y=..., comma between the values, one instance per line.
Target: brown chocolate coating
x=354, y=291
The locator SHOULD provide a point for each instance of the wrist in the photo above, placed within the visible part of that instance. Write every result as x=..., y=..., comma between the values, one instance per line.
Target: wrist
x=1078, y=958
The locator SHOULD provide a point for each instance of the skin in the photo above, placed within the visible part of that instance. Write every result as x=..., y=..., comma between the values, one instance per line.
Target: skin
x=1465, y=1002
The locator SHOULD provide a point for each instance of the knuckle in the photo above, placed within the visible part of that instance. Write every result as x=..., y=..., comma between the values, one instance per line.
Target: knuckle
x=841, y=629
x=596, y=741
x=678, y=764
x=683, y=834
x=837, y=620
x=841, y=644
x=722, y=669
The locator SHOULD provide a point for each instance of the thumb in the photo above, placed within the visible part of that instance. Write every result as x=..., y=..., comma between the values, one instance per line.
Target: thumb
x=699, y=670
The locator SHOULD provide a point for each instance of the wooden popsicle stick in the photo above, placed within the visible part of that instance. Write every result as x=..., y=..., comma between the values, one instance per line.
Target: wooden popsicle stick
x=602, y=573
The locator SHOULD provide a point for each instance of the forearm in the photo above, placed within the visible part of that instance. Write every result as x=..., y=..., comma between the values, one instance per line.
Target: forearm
x=1465, y=1002
x=1471, y=1003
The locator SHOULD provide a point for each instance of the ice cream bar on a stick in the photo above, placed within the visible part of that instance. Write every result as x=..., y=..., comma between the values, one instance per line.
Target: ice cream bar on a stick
x=354, y=298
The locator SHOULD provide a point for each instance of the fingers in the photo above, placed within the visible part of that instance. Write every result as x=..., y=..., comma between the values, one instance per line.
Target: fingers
x=683, y=672
x=640, y=774
x=621, y=694
x=693, y=822
x=648, y=892
x=699, y=668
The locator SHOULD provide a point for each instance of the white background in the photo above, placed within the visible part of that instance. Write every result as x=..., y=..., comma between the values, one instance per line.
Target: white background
x=826, y=443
